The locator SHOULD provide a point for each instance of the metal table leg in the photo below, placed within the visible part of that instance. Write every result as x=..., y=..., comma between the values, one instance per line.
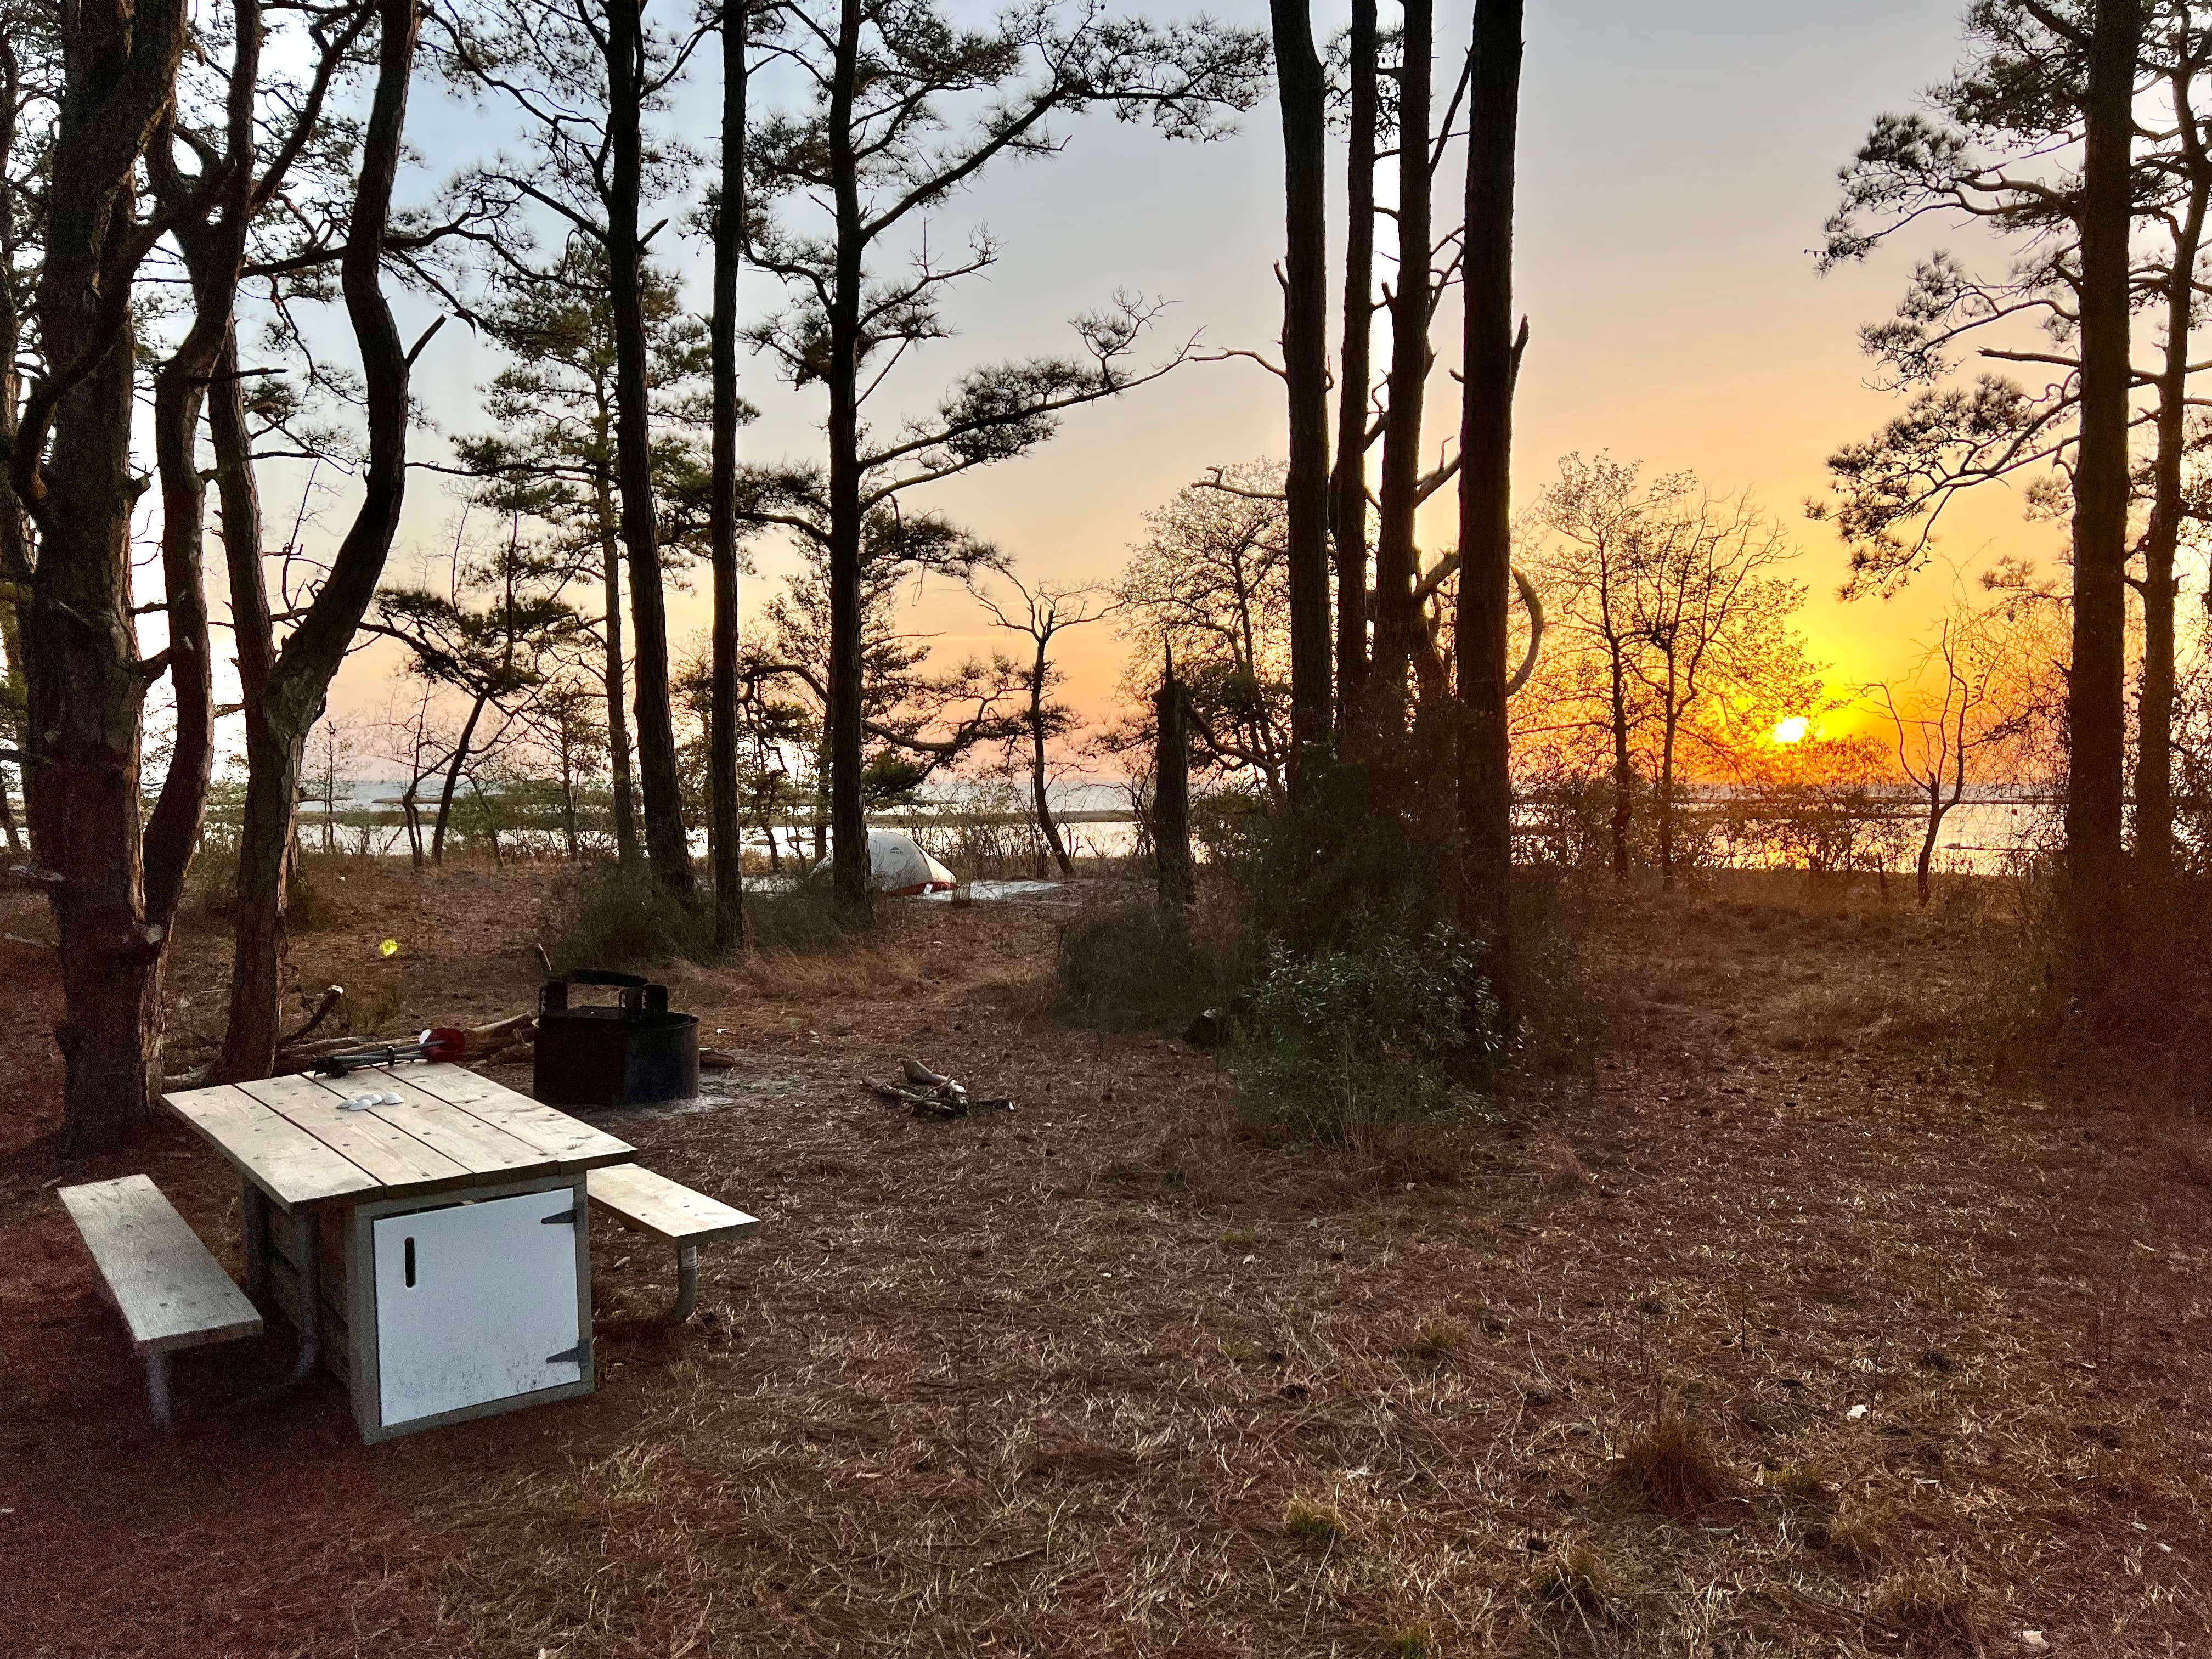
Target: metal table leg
x=687, y=1283
x=157, y=1391
x=311, y=1301
x=310, y=1322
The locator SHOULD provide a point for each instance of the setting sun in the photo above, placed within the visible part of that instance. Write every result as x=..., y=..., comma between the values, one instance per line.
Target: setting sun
x=1792, y=730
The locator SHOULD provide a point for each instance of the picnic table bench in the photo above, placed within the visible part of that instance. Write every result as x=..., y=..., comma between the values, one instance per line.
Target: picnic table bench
x=171, y=1292
x=674, y=1214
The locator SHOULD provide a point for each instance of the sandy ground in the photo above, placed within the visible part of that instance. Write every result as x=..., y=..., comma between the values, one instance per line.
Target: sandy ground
x=1104, y=1377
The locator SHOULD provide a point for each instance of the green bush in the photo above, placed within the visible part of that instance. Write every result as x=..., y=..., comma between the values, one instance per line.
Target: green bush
x=1344, y=1043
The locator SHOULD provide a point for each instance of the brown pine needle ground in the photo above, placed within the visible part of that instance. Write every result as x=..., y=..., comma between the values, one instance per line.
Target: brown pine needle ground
x=1058, y=1383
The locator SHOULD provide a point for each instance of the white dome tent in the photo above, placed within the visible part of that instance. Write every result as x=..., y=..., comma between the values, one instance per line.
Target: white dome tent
x=898, y=866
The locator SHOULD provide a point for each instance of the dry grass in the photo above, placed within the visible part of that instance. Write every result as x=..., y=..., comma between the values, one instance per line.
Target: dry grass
x=1058, y=1383
x=1576, y=1580
x=1828, y=1019
x=1930, y=1612
x=1668, y=1468
x=1313, y=1522
x=1807, y=1483
x=1857, y=1533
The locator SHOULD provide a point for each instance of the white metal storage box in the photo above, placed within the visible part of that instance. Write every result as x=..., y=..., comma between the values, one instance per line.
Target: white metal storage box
x=462, y=1309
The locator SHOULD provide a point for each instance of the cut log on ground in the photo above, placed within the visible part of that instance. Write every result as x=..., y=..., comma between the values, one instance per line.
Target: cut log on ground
x=932, y=1094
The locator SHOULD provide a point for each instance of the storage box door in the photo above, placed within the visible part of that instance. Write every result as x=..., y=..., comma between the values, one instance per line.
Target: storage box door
x=476, y=1303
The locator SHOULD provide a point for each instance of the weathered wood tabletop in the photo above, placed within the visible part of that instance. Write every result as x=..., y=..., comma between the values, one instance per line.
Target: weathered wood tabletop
x=293, y=1138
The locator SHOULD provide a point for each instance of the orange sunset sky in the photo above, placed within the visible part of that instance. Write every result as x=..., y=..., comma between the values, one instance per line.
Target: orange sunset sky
x=1677, y=162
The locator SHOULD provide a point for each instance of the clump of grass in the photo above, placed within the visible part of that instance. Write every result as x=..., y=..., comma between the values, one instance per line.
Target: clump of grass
x=1857, y=1533
x=379, y=1008
x=1933, y=1612
x=1312, y=1522
x=1559, y=1168
x=1437, y=1340
x=1669, y=1469
x=1806, y=1482
x=1410, y=1642
x=1577, y=1579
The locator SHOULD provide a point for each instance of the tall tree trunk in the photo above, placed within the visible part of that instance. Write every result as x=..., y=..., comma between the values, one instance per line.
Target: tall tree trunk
x=86, y=693
x=1623, y=769
x=1668, y=738
x=1485, y=784
x=1038, y=791
x=1177, y=875
x=1397, y=615
x=666, y=847
x=1348, y=483
x=2154, y=790
x=1923, y=869
x=1301, y=92
x=8, y=825
x=213, y=220
x=625, y=797
x=2096, y=717
x=69, y=464
x=722, y=841
x=214, y=247
x=569, y=837
x=821, y=825
x=848, y=825
x=173, y=828
x=15, y=541
x=290, y=700
x=262, y=891
x=455, y=765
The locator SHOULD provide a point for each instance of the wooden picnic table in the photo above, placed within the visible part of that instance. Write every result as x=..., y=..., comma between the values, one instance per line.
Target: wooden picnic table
x=291, y=1138
x=320, y=1181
